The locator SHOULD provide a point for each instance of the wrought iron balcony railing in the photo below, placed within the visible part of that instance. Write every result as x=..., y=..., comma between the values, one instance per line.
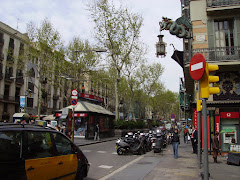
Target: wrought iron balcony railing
x=222, y=3
x=19, y=80
x=8, y=98
x=215, y=54
x=8, y=77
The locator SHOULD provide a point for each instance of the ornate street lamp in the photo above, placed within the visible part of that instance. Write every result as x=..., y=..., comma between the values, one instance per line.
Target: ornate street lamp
x=160, y=47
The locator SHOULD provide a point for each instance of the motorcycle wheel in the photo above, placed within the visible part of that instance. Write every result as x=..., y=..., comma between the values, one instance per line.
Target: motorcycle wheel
x=120, y=151
x=140, y=151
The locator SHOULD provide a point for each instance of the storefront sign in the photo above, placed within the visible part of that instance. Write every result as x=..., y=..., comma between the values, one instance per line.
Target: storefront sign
x=217, y=127
x=229, y=114
x=80, y=114
x=75, y=114
x=89, y=96
x=195, y=120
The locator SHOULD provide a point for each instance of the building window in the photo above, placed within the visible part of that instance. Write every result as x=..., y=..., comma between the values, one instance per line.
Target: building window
x=31, y=87
x=224, y=33
x=29, y=102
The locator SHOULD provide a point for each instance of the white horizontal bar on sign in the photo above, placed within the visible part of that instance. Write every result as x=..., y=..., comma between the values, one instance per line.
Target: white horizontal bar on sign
x=197, y=66
x=74, y=97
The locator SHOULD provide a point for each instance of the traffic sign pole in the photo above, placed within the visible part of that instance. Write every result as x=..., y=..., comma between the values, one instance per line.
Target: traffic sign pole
x=205, y=139
x=74, y=102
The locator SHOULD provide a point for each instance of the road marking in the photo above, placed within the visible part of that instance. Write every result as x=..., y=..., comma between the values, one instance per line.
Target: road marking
x=87, y=151
x=197, y=66
x=114, y=153
x=121, y=168
x=101, y=151
x=105, y=166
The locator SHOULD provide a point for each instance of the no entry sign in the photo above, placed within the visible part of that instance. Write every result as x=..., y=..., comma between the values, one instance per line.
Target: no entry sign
x=197, y=66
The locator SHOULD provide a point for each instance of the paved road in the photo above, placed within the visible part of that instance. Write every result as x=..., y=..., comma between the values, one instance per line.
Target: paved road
x=104, y=159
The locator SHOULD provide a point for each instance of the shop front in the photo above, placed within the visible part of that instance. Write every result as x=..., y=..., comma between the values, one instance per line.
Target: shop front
x=86, y=116
x=224, y=121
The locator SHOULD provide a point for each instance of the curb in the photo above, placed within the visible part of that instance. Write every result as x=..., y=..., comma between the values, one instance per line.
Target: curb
x=97, y=142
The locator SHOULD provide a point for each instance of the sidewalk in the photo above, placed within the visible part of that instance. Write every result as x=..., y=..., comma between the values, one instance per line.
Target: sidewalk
x=183, y=168
x=80, y=141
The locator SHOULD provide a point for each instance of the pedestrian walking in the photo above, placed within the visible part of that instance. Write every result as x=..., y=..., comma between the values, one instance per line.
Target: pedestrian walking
x=175, y=143
x=185, y=135
x=194, y=139
x=96, y=137
x=215, y=146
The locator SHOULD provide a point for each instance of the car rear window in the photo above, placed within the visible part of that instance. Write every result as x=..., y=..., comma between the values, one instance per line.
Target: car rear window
x=10, y=145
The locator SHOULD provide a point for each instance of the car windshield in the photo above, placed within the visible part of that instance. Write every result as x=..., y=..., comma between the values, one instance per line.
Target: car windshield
x=10, y=145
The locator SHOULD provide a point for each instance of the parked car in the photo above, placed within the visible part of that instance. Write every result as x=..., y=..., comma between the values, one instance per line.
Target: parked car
x=35, y=152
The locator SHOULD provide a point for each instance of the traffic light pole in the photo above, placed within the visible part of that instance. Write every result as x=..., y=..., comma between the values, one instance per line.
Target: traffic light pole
x=199, y=132
x=205, y=139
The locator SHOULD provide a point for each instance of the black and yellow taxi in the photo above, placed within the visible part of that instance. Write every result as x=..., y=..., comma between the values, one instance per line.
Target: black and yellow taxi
x=35, y=152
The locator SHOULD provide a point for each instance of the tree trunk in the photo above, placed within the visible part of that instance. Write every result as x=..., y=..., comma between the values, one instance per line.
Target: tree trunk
x=39, y=98
x=117, y=96
x=116, y=100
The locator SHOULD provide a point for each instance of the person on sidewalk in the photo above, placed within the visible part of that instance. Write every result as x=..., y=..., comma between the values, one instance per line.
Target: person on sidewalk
x=185, y=134
x=215, y=146
x=175, y=143
x=194, y=139
x=96, y=137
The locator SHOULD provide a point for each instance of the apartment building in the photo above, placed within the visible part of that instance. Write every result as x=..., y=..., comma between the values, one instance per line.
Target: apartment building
x=19, y=77
x=216, y=35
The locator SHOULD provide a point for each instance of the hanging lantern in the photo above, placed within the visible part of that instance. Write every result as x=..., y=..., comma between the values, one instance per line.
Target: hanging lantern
x=160, y=47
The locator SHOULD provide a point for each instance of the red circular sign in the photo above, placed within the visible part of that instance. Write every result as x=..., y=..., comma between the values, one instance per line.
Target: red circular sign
x=74, y=101
x=74, y=92
x=197, y=66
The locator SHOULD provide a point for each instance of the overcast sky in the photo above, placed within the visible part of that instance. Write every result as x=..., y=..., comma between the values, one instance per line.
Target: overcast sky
x=71, y=18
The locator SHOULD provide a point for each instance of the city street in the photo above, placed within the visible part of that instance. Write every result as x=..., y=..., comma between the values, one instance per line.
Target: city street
x=104, y=159
x=106, y=164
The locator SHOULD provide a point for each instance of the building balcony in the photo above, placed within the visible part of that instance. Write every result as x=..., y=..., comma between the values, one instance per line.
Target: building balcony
x=1, y=56
x=1, y=40
x=9, y=99
x=20, y=80
x=214, y=6
x=55, y=97
x=217, y=54
x=222, y=3
x=8, y=77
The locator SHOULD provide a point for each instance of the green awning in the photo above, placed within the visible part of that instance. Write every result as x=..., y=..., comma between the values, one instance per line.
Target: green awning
x=228, y=130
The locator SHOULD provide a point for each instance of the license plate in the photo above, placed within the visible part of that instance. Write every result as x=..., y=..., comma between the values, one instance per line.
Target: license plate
x=153, y=144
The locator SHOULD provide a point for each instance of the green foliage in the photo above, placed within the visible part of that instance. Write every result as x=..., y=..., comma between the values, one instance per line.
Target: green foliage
x=122, y=124
x=155, y=124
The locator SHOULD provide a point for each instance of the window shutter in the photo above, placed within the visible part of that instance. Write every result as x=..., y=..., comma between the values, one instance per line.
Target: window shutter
x=210, y=27
x=237, y=31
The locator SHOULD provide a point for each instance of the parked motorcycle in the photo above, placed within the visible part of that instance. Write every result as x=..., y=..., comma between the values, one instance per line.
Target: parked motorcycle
x=158, y=142
x=129, y=145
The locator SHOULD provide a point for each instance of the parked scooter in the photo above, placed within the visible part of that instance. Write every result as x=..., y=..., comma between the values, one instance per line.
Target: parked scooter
x=129, y=145
x=158, y=142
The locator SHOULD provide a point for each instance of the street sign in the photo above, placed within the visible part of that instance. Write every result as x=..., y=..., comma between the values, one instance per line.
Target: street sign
x=172, y=116
x=74, y=92
x=74, y=97
x=74, y=101
x=197, y=66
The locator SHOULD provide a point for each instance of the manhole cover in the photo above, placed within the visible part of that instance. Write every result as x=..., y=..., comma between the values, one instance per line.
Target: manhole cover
x=145, y=163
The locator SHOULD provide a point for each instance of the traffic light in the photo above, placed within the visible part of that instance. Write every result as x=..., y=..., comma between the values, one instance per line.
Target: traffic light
x=206, y=79
x=199, y=104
